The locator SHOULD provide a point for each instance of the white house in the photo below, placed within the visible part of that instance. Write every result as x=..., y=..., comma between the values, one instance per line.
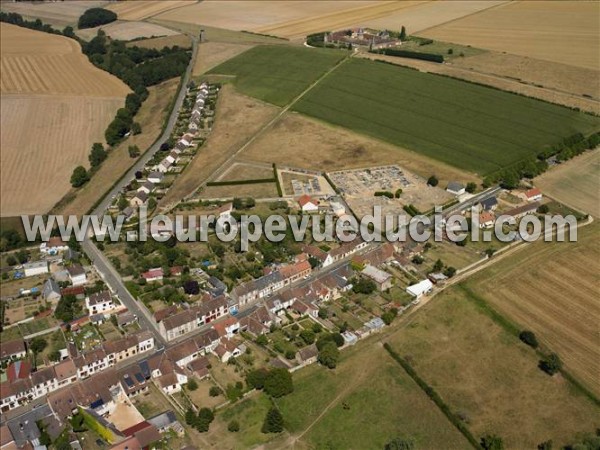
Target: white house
x=35, y=268
x=164, y=165
x=77, y=275
x=422, y=287
x=155, y=177
x=307, y=204
x=147, y=187
x=455, y=188
x=99, y=302
x=533, y=195
x=54, y=245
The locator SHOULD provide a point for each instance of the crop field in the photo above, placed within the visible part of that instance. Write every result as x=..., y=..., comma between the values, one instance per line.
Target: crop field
x=125, y=31
x=575, y=182
x=59, y=14
x=34, y=62
x=142, y=9
x=159, y=43
x=552, y=289
x=151, y=117
x=488, y=376
x=471, y=127
x=527, y=28
x=278, y=74
x=55, y=104
x=211, y=54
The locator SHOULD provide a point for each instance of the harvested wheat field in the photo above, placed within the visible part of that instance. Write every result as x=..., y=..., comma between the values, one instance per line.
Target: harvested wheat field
x=43, y=138
x=142, y=9
x=298, y=141
x=59, y=14
x=126, y=31
x=564, y=32
x=553, y=289
x=211, y=54
x=151, y=117
x=34, y=62
x=55, y=104
x=159, y=43
x=238, y=119
x=575, y=182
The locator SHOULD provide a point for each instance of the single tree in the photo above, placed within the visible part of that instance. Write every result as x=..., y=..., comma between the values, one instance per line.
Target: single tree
x=491, y=442
x=528, y=337
x=136, y=128
x=192, y=384
x=551, y=364
x=329, y=355
x=403, y=33
x=273, y=421
x=97, y=155
x=279, y=383
x=79, y=176
x=37, y=345
x=433, y=181
x=233, y=426
x=134, y=151
x=215, y=391
x=471, y=187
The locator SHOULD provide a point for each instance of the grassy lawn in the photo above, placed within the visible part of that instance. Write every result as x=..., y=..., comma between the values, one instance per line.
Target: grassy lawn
x=10, y=334
x=151, y=403
x=489, y=377
x=277, y=74
x=201, y=398
x=37, y=325
x=465, y=125
x=451, y=255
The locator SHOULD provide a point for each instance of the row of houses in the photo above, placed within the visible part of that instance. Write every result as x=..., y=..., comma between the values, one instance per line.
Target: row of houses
x=29, y=386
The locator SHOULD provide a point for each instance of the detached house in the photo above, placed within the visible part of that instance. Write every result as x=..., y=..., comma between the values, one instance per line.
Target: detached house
x=533, y=195
x=54, y=245
x=51, y=291
x=139, y=199
x=99, y=302
x=307, y=204
x=455, y=188
x=156, y=177
x=77, y=275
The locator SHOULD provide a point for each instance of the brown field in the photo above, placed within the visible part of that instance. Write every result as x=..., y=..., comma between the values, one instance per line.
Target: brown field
x=552, y=289
x=294, y=20
x=43, y=139
x=211, y=54
x=142, y=9
x=151, y=117
x=45, y=136
x=180, y=40
x=299, y=141
x=243, y=171
x=529, y=29
x=125, y=31
x=489, y=376
x=59, y=14
x=34, y=62
x=575, y=182
x=238, y=118
x=542, y=74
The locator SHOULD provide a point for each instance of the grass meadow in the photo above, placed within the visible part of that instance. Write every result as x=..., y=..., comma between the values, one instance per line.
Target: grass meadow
x=278, y=74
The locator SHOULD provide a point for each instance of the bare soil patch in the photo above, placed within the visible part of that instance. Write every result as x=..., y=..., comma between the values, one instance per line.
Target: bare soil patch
x=299, y=141
x=575, y=182
x=529, y=29
x=237, y=119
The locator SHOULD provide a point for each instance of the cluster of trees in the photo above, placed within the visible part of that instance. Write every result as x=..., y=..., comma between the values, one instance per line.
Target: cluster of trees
x=328, y=346
x=94, y=17
x=439, y=266
x=20, y=257
x=273, y=422
x=387, y=194
x=510, y=177
x=200, y=421
x=275, y=382
x=79, y=177
x=317, y=39
x=550, y=364
x=68, y=308
x=411, y=209
x=17, y=19
x=363, y=286
x=11, y=239
x=409, y=54
x=389, y=316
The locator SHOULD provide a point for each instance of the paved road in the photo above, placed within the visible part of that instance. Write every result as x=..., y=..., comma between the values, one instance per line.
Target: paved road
x=154, y=148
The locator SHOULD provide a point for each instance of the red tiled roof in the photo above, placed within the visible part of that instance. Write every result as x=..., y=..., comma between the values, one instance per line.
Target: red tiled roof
x=134, y=429
x=533, y=192
x=306, y=199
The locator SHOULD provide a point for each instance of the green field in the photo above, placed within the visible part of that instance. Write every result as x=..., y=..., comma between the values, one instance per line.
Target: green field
x=278, y=74
x=466, y=125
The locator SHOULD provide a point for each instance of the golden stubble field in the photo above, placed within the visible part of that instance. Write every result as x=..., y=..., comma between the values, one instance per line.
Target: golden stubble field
x=575, y=182
x=565, y=32
x=553, y=289
x=59, y=14
x=126, y=31
x=142, y=9
x=55, y=104
x=294, y=20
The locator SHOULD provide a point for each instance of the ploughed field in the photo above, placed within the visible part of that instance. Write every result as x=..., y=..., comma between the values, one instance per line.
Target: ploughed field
x=471, y=127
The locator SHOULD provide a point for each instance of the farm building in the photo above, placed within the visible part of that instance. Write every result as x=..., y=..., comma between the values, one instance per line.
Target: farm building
x=522, y=211
x=533, y=195
x=77, y=275
x=422, y=287
x=382, y=279
x=455, y=188
x=307, y=204
x=35, y=268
